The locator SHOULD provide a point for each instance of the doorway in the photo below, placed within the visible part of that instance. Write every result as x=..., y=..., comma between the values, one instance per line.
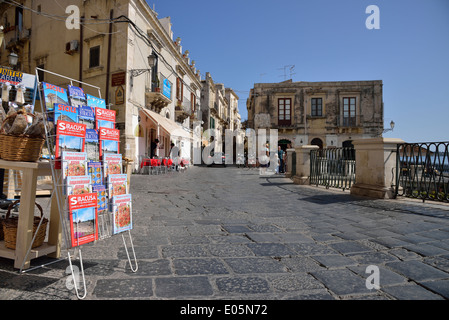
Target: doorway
x=284, y=144
x=317, y=142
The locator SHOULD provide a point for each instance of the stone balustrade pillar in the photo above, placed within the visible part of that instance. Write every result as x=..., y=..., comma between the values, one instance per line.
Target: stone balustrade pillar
x=303, y=164
x=375, y=163
x=288, y=172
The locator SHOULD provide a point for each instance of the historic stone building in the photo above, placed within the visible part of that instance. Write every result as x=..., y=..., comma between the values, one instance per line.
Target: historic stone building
x=233, y=109
x=327, y=114
x=122, y=47
x=132, y=55
x=214, y=108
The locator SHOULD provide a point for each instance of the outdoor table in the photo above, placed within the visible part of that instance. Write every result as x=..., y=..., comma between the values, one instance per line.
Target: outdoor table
x=31, y=170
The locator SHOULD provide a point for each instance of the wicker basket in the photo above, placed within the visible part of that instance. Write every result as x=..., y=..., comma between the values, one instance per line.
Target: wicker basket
x=20, y=148
x=10, y=228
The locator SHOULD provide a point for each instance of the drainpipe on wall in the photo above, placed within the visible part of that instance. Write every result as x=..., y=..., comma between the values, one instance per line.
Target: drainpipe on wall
x=108, y=68
x=81, y=51
x=29, y=55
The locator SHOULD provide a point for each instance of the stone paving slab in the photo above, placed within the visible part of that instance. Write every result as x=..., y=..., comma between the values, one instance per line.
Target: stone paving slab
x=387, y=276
x=334, y=261
x=342, y=282
x=417, y=270
x=228, y=233
x=181, y=287
x=438, y=287
x=412, y=292
x=242, y=285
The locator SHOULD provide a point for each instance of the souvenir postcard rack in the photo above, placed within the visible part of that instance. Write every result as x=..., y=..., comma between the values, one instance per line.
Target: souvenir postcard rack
x=88, y=176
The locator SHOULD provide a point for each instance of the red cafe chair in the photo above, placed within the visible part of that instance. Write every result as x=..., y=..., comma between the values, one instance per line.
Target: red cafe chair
x=153, y=166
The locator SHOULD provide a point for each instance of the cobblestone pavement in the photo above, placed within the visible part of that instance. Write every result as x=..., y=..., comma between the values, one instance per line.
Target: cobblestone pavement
x=226, y=233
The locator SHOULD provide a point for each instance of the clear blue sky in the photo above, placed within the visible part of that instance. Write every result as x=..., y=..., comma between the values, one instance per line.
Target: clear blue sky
x=242, y=42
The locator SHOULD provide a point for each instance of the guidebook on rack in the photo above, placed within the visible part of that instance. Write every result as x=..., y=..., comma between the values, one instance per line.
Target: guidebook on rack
x=109, y=141
x=102, y=199
x=112, y=165
x=78, y=185
x=76, y=96
x=73, y=164
x=122, y=213
x=95, y=102
x=69, y=137
x=83, y=218
x=96, y=172
x=53, y=95
x=65, y=113
x=117, y=185
x=86, y=115
x=105, y=118
x=104, y=216
x=92, y=145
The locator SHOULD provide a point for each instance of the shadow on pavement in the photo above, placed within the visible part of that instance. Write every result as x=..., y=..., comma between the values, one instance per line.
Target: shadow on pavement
x=329, y=199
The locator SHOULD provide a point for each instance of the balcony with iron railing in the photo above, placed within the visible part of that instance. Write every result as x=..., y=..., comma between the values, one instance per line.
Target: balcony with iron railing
x=158, y=95
x=349, y=121
x=197, y=114
x=183, y=110
x=16, y=37
x=216, y=108
x=350, y=124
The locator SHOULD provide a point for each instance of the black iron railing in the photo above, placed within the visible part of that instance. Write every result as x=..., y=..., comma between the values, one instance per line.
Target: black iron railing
x=349, y=121
x=423, y=170
x=333, y=167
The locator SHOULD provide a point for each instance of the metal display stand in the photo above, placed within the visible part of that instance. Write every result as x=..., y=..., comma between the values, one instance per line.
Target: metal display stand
x=104, y=220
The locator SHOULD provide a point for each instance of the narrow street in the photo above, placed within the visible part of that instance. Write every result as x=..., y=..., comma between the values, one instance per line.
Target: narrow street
x=227, y=233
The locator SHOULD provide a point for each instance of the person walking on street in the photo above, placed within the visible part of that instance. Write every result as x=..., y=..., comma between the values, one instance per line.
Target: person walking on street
x=174, y=155
x=281, y=160
x=265, y=160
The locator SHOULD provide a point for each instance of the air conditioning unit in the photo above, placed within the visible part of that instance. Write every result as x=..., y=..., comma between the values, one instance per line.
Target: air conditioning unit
x=71, y=47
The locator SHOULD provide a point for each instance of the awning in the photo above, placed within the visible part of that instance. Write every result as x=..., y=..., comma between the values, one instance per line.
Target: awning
x=169, y=126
